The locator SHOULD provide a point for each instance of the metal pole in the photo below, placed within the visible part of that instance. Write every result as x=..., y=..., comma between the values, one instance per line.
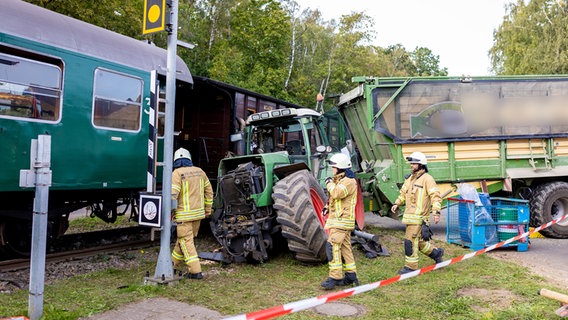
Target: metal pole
x=164, y=268
x=41, y=164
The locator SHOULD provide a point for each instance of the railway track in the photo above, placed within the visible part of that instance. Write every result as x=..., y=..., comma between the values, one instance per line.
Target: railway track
x=19, y=264
x=80, y=246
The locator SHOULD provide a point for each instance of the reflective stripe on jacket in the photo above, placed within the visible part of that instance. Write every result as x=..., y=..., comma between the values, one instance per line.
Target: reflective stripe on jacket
x=193, y=192
x=421, y=195
x=342, y=201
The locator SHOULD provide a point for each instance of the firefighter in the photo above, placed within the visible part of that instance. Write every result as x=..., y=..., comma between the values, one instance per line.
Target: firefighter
x=192, y=191
x=421, y=196
x=340, y=209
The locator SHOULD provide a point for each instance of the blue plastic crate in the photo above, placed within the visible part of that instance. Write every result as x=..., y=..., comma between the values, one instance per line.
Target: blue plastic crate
x=480, y=226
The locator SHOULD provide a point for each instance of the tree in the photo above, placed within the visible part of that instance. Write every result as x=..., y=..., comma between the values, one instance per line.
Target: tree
x=313, y=40
x=533, y=39
x=352, y=53
x=124, y=17
x=399, y=62
x=426, y=63
x=259, y=33
x=267, y=46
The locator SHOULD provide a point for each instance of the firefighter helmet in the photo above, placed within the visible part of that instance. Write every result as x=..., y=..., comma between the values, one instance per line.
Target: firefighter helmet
x=340, y=161
x=417, y=157
x=182, y=153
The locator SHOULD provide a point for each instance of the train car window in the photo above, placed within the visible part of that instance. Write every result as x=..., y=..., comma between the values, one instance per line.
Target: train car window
x=29, y=89
x=240, y=105
x=251, y=103
x=267, y=105
x=117, y=101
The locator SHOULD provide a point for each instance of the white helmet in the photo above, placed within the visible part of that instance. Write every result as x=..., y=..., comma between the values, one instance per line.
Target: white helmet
x=182, y=153
x=340, y=161
x=417, y=157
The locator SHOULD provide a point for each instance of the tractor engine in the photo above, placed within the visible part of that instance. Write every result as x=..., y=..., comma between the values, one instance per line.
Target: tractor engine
x=244, y=229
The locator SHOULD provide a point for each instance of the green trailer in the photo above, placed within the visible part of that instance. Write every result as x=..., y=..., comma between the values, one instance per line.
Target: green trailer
x=507, y=135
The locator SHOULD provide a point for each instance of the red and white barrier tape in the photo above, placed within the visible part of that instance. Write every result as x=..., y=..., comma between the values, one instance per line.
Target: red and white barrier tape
x=314, y=302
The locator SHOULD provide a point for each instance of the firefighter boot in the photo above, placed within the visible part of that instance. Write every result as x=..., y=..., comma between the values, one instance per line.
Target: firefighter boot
x=330, y=283
x=405, y=270
x=437, y=255
x=350, y=277
x=197, y=276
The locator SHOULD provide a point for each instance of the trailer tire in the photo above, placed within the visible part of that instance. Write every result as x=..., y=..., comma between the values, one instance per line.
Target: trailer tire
x=298, y=201
x=548, y=202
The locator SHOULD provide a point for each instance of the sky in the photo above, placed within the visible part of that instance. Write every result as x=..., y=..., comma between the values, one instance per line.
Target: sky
x=460, y=32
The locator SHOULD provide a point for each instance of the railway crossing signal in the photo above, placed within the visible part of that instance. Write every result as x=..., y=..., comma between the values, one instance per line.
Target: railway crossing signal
x=154, y=16
x=150, y=210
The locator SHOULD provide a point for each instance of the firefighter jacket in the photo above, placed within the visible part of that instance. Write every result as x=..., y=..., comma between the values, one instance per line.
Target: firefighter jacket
x=193, y=192
x=342, y=201
x=421, y=195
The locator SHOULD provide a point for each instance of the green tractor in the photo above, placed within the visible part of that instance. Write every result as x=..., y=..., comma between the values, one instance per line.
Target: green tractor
x=273, y=194
x=274, y=191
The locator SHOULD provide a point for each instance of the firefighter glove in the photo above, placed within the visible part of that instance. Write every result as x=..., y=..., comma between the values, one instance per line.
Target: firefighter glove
x=426, y=232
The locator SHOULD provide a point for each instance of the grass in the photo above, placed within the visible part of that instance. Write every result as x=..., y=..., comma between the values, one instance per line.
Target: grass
x=87, y=224
x=478, y=288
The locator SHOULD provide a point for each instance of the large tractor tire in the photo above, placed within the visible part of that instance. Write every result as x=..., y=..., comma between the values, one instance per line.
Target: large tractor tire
x=548, y=202
x=298, y=201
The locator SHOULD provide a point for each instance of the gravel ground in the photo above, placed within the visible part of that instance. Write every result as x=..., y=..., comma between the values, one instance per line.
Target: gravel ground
x=14, y=280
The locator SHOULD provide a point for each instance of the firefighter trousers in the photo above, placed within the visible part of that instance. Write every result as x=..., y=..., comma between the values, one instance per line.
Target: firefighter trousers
x=339, y=253
x=184, y=249
x=413, y=244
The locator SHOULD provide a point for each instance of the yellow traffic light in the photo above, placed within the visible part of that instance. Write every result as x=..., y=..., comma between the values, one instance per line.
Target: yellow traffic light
x=154, y=16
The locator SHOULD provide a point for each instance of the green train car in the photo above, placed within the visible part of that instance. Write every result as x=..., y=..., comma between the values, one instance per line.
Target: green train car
x=92, y=91
x=89, y=89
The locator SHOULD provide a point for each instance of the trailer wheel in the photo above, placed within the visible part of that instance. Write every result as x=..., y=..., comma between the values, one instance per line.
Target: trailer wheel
x=298, y=201
x=549, y=202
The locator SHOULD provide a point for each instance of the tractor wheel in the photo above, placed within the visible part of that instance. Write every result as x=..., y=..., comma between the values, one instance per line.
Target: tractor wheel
x=548, y=202
x=298, y=201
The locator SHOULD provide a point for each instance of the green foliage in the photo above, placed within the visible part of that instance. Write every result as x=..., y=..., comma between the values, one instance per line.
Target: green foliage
x=86, y=224
x=533, y=39
x=399, y=62
x=271, y=47
x=109, y=14
x=267, y=46
x=426, y=63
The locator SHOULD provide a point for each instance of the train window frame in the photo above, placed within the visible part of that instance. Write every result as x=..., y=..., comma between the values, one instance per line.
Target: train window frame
x=98, y=97
x=161, y=112
x=34, y=92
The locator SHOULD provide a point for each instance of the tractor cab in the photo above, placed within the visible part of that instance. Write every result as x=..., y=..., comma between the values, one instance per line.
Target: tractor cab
x=297, y=132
